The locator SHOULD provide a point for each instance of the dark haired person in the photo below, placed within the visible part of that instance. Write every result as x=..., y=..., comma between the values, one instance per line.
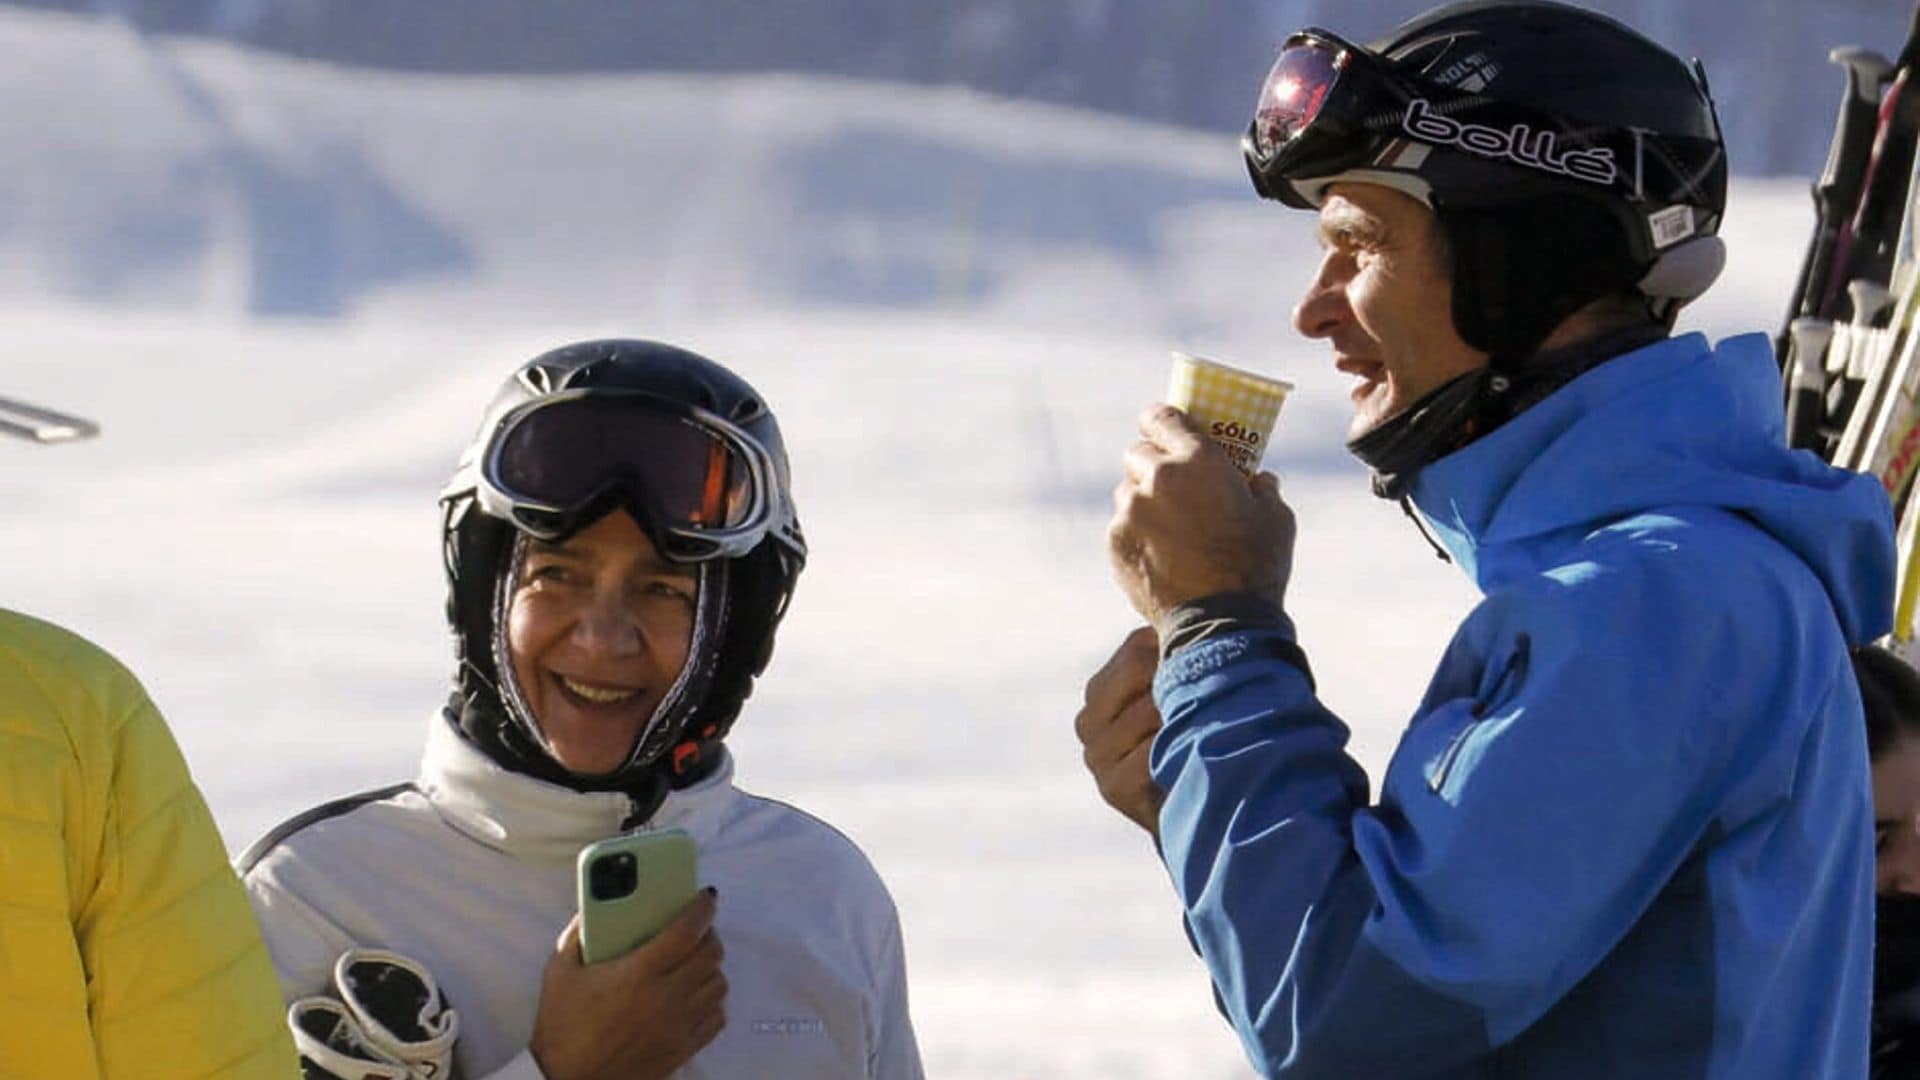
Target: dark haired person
x=1627, y=830
x=621, y=543
x=1890, y=693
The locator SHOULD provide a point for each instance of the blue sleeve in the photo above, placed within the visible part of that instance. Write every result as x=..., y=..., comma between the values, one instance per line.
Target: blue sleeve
x=1545, y=792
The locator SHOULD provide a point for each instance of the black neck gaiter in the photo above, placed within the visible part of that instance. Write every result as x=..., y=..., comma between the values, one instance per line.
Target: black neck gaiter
x=1460, y=411
x=483, y=721
x=1397, y=448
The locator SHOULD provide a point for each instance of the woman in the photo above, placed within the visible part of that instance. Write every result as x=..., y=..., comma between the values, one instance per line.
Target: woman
x=621, y=544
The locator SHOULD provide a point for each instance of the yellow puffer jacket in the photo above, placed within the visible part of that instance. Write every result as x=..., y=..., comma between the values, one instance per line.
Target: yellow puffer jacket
x=127, y=948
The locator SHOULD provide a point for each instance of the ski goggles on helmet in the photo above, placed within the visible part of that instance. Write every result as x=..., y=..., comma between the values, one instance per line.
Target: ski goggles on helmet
x=1329, y=107
x=701, y=487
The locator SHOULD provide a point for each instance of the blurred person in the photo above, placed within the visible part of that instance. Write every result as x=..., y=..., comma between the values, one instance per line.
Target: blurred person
x=128, y=949
x=1627, y=829
x=1890, y=695
x=620, y=543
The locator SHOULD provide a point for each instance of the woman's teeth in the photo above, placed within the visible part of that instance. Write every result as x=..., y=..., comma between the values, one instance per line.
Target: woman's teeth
x=599, y=695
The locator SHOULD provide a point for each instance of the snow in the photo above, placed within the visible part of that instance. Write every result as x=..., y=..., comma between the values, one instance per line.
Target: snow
x=286, y=291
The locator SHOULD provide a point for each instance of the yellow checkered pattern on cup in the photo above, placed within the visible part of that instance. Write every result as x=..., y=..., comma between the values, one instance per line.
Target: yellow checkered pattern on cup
x=1238, y=407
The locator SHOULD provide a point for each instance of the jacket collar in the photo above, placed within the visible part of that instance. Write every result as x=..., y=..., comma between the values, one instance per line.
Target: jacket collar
x=1677, y=424
x=524, y=817
x=1469, y=495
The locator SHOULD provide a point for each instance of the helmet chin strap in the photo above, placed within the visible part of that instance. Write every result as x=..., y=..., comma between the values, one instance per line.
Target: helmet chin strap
x=1429, y=429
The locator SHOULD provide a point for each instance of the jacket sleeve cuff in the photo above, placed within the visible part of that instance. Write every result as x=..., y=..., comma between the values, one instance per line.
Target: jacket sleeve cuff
x=1216, y=616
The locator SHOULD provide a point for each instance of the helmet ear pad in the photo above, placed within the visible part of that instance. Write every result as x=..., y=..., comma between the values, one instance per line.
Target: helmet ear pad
x=476, y=548
x=1521, y=268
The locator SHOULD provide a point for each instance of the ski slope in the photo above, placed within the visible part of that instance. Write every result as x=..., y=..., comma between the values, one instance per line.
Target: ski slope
x=287, y=290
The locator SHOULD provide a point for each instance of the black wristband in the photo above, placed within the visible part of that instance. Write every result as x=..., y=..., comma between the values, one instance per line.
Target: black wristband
x=1220, y=614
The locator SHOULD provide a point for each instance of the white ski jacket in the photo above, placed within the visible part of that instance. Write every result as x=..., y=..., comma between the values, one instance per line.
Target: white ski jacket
x=470, y=870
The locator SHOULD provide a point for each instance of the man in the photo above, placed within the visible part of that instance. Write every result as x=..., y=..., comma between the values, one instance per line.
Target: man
x=127, y=949
x=621, y=544
x=1890, y=696
x=1627, y=831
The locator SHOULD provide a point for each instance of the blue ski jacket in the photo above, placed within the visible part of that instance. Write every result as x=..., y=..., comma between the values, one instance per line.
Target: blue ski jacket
x=1628, y=830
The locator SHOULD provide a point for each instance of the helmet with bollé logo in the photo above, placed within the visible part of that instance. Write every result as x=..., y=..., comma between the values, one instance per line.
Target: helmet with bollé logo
x=1567, y=157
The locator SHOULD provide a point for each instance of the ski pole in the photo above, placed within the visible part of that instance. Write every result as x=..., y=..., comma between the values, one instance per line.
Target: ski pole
x=1866, y=368
x=1807, y=394
x=43, y=425
x=1838, y=188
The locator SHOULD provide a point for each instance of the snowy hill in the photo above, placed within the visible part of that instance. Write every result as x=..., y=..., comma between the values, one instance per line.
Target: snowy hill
x=1196, y=65
x=287, y=289
x=195, y=176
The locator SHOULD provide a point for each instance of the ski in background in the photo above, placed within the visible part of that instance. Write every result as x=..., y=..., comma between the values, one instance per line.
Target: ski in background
x=1837, y=191
x=1890, y=444
x=1850, y=349
x=1813, y=351
x=1894, y=453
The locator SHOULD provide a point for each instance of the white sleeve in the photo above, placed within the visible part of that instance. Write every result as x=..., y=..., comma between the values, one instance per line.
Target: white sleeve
x=302, y=942
x=895, y=1054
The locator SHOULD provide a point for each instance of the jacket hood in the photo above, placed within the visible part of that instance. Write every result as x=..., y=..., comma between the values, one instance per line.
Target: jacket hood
x=1675, y=424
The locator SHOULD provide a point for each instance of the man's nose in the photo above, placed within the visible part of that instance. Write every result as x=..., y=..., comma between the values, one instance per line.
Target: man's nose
x=1323, y=307
x=1902, y=863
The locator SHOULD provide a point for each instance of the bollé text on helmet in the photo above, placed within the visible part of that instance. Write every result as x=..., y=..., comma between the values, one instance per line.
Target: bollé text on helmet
x=1519, y=144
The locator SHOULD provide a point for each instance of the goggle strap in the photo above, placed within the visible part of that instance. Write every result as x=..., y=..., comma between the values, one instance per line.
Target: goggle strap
x=1675, y=166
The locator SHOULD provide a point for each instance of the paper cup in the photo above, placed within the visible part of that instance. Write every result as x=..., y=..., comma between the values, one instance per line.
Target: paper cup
x=1236, y=408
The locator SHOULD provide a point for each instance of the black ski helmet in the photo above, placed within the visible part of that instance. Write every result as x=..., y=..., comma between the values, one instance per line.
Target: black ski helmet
x=1567, y=158
x=742, y=595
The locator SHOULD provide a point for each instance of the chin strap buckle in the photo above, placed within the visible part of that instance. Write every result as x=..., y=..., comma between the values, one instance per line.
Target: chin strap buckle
x=688, y=758
x=685, y=758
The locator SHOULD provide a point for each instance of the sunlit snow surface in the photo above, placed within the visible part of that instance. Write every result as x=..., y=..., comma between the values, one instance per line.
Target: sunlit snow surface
x=287, y=290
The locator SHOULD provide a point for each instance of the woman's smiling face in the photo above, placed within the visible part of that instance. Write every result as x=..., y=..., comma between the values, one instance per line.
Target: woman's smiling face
x=598, y=628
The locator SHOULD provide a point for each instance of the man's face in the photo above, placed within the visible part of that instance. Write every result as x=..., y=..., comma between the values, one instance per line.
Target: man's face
x=1896, y=819
x=1384, y=300
x=598, y=628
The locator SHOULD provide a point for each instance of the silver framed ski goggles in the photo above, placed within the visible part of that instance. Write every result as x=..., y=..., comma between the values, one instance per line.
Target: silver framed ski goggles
x=1329, y=107
x=701, y=487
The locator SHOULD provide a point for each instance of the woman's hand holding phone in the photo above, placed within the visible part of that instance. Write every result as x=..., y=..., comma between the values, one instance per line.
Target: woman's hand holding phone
x=642, y=1014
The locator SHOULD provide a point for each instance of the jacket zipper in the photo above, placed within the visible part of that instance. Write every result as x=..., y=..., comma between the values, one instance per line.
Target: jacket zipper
x=1514, y=671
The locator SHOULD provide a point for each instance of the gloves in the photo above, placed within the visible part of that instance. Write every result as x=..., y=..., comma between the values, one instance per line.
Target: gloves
x=333, y=1046
x=388, y=1020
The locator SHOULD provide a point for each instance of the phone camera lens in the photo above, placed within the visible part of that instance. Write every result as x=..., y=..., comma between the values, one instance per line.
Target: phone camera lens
x=613, y=876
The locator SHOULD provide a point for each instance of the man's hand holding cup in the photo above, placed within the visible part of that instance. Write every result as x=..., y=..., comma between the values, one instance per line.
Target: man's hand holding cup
x=1187, y=522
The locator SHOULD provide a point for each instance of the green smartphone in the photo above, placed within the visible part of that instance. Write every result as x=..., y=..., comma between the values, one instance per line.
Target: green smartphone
x=631, y=887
